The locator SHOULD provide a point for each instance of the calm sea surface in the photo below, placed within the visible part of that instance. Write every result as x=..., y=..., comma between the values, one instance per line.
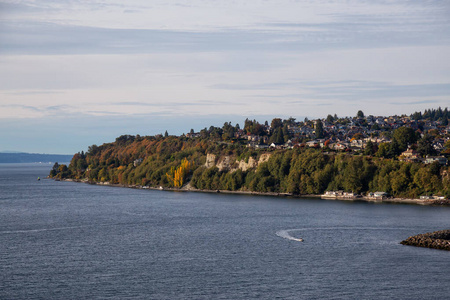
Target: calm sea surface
x=63, y=240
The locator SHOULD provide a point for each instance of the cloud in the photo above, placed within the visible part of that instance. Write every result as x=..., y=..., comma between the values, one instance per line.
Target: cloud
x=343, y=31
x=368, y=91
x=276, y=96
x=50, y=39
x=42, y=109
x=171, y=104
x=246, y=86
x=24, y=93
x=24, y=107
x=428, y=102
x=131, y=11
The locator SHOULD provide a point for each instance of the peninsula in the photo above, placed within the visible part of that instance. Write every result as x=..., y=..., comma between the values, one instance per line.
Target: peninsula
x=363, y=156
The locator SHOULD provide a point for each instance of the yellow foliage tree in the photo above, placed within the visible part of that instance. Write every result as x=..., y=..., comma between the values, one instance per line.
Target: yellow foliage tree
x=178, y=175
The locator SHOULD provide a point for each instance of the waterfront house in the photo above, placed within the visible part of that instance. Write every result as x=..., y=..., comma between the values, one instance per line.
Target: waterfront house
x=380, y=195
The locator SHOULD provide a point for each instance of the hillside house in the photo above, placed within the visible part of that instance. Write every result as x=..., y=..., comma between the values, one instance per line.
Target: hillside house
x=410, y=155
x=137, y=162
x=440, y=159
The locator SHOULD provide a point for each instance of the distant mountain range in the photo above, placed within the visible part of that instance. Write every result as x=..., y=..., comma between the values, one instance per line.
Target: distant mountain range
x=20, y=157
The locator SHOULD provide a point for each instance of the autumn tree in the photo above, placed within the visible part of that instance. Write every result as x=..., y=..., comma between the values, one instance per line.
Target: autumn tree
x=177, y=175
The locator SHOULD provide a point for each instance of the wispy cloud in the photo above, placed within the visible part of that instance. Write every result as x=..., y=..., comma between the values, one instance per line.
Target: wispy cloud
x=25, y=107
x=171, y=104
x=51, y=109
x=24, y=93
x=247, y=86
x=343, y=32
x=429, y=102
x=344, y=90
x=365, y=91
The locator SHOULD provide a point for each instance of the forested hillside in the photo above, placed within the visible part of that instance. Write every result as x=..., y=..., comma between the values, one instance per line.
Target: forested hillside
x=174, y=161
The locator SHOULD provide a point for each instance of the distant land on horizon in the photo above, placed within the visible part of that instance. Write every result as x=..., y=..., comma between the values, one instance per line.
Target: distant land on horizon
x=21, y=157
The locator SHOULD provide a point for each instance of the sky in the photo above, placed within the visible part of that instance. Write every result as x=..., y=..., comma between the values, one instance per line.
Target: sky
x=75, y=73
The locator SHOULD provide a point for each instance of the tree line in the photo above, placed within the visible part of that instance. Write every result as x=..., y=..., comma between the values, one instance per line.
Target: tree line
x=174, y=161
x=310, y=171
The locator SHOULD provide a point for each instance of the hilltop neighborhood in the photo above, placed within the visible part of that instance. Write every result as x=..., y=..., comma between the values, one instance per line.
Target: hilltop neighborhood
x=353, y=135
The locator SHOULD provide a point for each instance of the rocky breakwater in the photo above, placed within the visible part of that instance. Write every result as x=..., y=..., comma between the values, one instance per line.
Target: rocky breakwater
x=436, y=240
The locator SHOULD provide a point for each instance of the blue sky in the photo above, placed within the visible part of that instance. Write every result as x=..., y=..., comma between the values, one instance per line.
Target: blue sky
x=76, y=73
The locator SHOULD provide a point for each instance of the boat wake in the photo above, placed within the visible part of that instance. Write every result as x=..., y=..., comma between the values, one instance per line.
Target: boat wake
x=41, y=230
x=286, y=235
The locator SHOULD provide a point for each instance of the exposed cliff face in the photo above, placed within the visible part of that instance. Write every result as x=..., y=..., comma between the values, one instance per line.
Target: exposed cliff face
x=210, y=160
x=252, y=163
x=225, y=163
x=264, y=157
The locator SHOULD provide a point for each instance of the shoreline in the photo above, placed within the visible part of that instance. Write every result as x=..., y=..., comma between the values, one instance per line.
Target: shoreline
x=188, y=188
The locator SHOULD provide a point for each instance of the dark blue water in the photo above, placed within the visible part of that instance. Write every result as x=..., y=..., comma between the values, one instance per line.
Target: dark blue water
x=63, y=240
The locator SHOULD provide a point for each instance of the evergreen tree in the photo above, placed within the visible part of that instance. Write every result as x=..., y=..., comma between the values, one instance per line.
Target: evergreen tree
x=276, y=123
x=369, y=149
x=394, y=149
x=425, y=145
x=319, y=129
x=360, y=114
x=404, y=136
x=286, y=135
x=445, y=121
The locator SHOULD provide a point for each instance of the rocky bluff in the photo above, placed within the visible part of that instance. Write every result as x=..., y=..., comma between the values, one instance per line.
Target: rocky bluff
x=230, y=163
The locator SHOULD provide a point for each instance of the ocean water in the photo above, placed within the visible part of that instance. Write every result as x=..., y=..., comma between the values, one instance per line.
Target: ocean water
x=64, y=240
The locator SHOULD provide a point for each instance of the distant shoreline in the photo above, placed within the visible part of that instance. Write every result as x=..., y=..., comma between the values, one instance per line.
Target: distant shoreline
x=17, y=158
x=188, y=188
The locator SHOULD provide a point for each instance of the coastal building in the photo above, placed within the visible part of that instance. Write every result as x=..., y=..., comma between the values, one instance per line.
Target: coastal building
x=332, y=194
x=313, y=144
x=380, y=195
x=193, y=134
x=410, y=155
x=440, y=159
x=137, y=162
x=340, y=146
